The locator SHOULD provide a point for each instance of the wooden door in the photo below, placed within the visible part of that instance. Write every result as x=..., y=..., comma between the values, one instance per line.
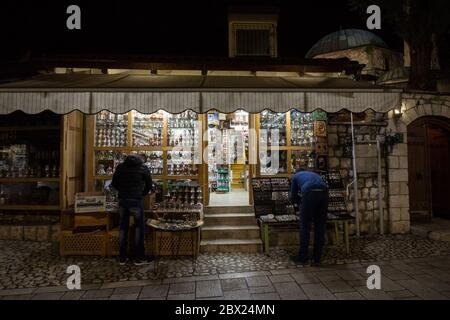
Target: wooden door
x=418, y=169
x=72, y=157
x=438, y=142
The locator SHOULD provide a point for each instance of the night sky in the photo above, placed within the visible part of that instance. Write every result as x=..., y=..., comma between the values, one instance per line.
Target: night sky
x=195, y=28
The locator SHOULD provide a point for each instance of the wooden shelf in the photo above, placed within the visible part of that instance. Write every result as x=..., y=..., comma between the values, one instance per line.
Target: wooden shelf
x=110, y=177
x=30, y=207
x=25, y=179
x=112, y=148
x=181, y=177
x=281, y=175
x=147, y=148
x=31, y=128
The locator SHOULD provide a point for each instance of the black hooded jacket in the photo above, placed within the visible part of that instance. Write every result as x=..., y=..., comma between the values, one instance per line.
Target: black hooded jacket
x=132, y=178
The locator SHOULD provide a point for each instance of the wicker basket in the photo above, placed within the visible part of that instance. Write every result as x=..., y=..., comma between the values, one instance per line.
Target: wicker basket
x=82, y=243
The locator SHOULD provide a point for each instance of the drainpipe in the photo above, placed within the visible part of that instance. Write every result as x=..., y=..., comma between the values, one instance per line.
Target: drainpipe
x=355, y=177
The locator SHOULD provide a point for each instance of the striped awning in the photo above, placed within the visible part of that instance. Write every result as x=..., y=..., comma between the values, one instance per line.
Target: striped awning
x=147, y=94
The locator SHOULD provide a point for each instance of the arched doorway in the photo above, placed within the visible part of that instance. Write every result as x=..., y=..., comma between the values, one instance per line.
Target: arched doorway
x=429, y=166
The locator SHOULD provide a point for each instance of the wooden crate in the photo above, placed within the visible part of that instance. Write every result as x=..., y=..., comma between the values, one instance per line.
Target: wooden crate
x=82, y=243
x=112, y=243
x=90, y=219
x=167, y=243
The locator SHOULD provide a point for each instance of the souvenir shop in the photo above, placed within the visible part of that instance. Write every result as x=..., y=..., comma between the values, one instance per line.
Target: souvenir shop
x=203, y=146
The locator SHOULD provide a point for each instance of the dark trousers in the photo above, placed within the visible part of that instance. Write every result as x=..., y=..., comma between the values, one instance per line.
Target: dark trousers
x=132, y=207
x=313, y=209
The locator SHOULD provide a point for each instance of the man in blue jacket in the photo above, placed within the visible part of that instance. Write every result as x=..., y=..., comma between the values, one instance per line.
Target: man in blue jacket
x=310, y=192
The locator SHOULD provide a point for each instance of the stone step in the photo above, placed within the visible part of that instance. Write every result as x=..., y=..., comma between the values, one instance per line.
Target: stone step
x=230, y=209
x=230, y=232
x=231, y=245
x=233, y=219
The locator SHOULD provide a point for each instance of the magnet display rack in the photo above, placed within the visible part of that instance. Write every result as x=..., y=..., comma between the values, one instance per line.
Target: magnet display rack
x=337, y=207
x=271, y=197
x=156, y=135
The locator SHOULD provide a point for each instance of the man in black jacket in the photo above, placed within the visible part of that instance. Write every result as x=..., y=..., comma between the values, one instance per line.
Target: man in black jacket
x=133, y=181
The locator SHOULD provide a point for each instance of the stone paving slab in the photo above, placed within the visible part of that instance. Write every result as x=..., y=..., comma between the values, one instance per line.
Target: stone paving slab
x=266, y=296
x=96, y=294
x=18, y=297
x=237, y=295
x=48, y=296
x=244, y=274
x=208, y=289
x=421, y=291
x=349, y=296
x=11, y=292
x=127, y=290
x=119, y=284
x=317, y=291
x=182, y=296
x=233, y=284
x=289, y=291
x=73, y=295
x=188, y=279
x=281, y=278
x=338, y=286
x=303, y=278
x=51, y=289
x=182, y=288
x=259, y=281
x=401, y=294
x=154, y=291
x=258, y=290
x=127, y=296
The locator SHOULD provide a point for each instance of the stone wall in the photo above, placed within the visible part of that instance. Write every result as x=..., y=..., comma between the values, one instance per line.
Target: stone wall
x=414, y=106
x=367, y=167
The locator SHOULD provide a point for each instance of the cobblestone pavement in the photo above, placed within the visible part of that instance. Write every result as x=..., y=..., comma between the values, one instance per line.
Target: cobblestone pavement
x=412, y=268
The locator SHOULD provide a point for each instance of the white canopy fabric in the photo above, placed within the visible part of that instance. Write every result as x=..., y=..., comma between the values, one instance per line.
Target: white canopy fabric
x=147, y=94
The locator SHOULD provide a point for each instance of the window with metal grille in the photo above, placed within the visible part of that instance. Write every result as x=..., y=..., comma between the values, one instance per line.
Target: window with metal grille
x=252, y=42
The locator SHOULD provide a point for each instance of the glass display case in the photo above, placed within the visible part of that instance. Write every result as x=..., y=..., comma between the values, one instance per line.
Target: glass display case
x=111, y=129
x=107, y=161
x=147, y=129
x=303, y=159
x=273, y=128
x=156, y=137
x=183, y=129
x=268, y=163
x=302, y=129
x=305, y=140
x=181, y=163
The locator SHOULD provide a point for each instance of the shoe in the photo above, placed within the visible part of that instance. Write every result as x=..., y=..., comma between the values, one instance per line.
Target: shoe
x=142, y=262
x=123, y=261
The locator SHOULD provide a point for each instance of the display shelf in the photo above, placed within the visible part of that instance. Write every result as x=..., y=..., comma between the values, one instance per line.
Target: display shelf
x=160, y=125
x=36, y=174
x=301, y=138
